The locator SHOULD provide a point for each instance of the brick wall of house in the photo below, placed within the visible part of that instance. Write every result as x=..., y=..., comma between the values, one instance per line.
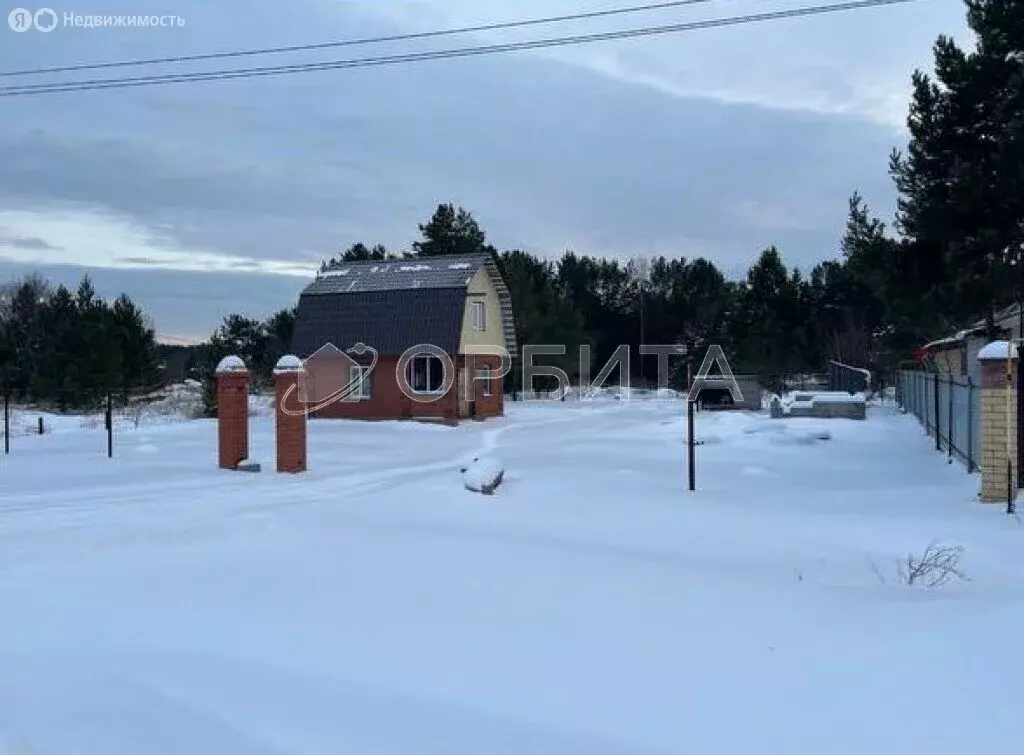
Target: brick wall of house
x=388, y=402
x=485, y=406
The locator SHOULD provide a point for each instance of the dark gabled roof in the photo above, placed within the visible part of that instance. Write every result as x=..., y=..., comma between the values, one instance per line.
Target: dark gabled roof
x=394, y=305
x=388, y=321
x=451, y=271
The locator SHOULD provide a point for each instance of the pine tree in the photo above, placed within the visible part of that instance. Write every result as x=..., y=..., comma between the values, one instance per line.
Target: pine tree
x=278, y=329
x=961, y=181
x=57, y=378
x=451, y=230
x=134, y=338
x=23, y=328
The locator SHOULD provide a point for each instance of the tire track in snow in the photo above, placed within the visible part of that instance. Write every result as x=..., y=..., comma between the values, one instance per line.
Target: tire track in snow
x=207, y=506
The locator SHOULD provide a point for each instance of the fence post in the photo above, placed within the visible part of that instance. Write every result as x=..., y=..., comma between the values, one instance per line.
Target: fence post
x=922, y=382
x=938, y=437
x=949, y=430
x=998, y=457
x=40, y=425
x=7, y=421
x=924, y=403
x=970, y=425
x=690, y=451
x=110, y=426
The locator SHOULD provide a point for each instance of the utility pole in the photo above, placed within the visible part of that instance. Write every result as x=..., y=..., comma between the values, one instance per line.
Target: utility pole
x=641, y=271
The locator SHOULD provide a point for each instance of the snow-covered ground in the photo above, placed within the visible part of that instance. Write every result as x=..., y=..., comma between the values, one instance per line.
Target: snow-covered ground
x=593, y=606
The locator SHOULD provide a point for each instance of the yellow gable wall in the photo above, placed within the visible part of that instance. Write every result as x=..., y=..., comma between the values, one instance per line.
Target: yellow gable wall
x=482, y=341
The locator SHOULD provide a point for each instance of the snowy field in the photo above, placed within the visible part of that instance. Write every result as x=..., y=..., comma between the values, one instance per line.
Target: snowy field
x=154, y=605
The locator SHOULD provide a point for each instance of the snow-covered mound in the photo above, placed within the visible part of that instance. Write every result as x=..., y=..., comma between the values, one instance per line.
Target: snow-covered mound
x=483, y=474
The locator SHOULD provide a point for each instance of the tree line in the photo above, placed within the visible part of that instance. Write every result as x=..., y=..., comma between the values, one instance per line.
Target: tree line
x=775, y=322
x=73, y=349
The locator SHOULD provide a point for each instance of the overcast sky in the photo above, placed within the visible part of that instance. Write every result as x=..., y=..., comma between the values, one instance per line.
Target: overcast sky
x=204, y=199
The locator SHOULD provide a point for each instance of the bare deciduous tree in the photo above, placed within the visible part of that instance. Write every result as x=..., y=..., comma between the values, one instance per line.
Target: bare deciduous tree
x=936, y=566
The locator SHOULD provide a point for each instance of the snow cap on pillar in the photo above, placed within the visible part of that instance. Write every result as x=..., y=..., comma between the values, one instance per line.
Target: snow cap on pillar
x=288, y=363
x=997, y=350
x=230, y=364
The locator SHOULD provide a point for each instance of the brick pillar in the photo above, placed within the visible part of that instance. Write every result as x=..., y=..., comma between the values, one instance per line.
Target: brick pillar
x=232, y=412
x=290, y=416
x=998, y=422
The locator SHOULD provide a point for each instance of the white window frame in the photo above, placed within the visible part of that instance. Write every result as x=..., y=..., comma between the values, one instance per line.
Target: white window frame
x=430, y=359
x=479, y=315
x=362, y=391
x=486, y=378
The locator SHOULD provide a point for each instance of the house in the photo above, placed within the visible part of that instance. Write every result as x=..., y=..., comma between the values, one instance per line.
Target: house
x=955, y=354
x=458, y=306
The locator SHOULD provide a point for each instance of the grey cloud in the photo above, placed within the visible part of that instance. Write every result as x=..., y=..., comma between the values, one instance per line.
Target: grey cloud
x=138, y=261
x=547, y=155
x=29, y=243
x=179, y=302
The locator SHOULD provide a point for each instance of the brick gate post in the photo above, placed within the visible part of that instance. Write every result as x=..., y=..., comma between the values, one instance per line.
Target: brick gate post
x=290, y=416
x=232, y=412
x=998, y=426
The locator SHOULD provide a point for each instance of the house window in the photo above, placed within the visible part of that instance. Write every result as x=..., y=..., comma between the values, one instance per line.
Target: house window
x=479, y=316
x=359, y=379
x=483, y=375
x=425, y=374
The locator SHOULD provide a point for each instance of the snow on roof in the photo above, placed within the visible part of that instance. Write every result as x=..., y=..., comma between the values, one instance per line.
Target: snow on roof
x=948, y=341
x=288, y=363
x=998, y=350
x=230, y=364
x=957, y=337
x=375, y=275
x=839, y=399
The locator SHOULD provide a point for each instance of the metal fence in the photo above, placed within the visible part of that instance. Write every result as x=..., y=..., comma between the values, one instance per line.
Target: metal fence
x=949, y=408
x=846, y=377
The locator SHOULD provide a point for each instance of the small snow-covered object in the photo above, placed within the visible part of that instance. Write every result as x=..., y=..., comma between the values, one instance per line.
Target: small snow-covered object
x=230, y=364
x=998, y=350
x=287, y=363
x=483, y=475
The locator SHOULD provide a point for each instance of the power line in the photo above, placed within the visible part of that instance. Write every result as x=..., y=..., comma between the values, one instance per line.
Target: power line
x=361, y=42
x=371, y=62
